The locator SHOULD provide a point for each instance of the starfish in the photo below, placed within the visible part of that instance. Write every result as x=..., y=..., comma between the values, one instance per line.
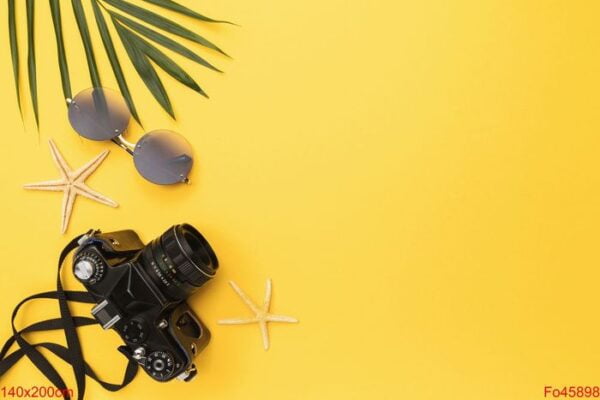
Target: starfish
x=72, y=183
x=261, y=315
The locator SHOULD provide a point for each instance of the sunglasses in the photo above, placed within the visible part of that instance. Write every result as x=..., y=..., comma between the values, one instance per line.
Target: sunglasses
x=161, y=156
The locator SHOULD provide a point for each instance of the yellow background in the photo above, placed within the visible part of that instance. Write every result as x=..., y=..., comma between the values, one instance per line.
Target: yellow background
x=419, y=178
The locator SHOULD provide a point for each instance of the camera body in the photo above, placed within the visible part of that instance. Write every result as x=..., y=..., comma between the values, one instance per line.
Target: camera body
x=141, y=292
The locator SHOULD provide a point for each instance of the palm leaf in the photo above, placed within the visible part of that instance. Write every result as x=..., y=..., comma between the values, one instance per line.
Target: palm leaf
x=171, y=5
x=145, y=70
x=164, y=40
x=84, y=31
x=31, y=67
x=14, y=49
x=114, y=60
x=60, y=47
x=163, y=61
x=163, y=23
x=141, y=33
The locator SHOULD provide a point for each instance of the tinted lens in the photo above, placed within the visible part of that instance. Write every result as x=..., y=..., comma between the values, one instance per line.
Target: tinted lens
x=99, y=114
x=163, y=157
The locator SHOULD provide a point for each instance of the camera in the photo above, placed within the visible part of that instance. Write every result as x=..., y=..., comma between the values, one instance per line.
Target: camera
x=141, y=291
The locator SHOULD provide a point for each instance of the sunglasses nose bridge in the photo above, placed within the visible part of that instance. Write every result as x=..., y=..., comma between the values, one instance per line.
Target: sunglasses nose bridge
x=124, y=144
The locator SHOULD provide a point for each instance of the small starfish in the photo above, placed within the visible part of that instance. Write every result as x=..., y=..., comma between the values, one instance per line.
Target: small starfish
x=261, y=315
x=72, y=183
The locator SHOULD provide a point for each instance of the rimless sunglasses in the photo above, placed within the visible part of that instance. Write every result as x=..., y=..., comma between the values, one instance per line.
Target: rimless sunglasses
x=160, y=156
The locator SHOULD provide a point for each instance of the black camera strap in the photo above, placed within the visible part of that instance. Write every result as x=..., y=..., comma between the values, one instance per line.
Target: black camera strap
x=72, y=353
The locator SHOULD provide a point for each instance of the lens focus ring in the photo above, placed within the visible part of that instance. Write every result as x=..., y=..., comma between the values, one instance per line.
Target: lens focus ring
x=188, y=269
x=179, y=261
x=182, y=258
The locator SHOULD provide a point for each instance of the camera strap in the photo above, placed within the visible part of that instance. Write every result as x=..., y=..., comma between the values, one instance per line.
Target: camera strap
x=72, y=353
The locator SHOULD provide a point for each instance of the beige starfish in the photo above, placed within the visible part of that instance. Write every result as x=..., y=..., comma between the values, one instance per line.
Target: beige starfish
x=261, y=315
x=72, y=183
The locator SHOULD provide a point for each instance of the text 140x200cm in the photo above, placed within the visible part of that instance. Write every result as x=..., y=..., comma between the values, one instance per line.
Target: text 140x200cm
x=48, y=392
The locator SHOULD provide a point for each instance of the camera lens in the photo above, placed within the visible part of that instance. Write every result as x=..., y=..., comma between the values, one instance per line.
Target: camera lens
x=180, y=261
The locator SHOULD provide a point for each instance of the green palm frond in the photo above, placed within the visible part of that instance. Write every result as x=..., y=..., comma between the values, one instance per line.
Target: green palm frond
x=114, y=59
x=86, y=39
x=140, y=32
x=60, y=48
x=31, y=67
x=14, y=48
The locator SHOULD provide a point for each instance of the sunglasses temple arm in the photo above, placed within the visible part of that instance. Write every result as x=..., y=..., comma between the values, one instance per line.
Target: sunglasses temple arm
x=124, y=144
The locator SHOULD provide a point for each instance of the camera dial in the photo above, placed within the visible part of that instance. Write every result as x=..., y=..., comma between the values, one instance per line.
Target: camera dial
x=135, y=331
x=88, y=267
x=160, y=365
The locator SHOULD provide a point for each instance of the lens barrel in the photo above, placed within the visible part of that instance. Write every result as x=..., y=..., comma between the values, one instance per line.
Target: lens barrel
x=180, y=261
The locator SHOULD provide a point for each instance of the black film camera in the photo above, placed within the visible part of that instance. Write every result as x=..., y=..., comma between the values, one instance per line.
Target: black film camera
x=141, y=292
